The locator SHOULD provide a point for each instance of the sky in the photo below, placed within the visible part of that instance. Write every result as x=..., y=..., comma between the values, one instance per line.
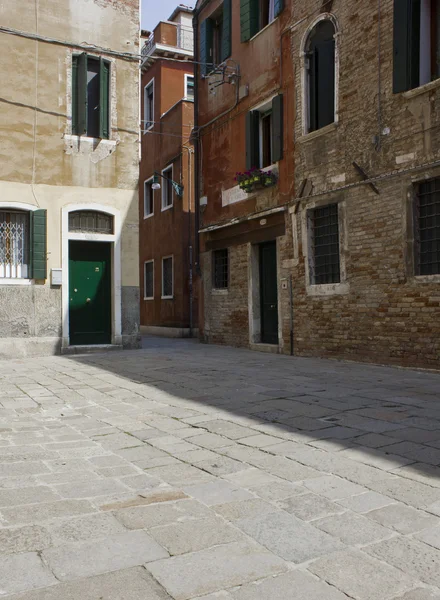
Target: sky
x=154, y=11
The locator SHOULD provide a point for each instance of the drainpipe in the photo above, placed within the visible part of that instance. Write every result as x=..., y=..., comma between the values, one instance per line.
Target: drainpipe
x=190, y=245
x=196, y=145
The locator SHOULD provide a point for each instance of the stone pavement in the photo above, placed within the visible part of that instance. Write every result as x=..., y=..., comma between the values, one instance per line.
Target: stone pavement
x=187, y=471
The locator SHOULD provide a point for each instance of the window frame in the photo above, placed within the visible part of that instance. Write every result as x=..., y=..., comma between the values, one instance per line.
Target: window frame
x=187, y=77
x=324, y=289
x=74, y=96
x=311, y=216
x=146, y=182
x=147, y=262
x=415, y=241
x=165, y=186
x=215, y=287
x=264, y=114
x=305, y=87
x=150, y=117
x=163, y=296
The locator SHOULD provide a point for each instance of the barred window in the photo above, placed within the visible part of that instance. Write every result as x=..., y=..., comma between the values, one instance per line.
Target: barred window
x=324, y=234
x=87, y=221
x=167, y=277
x=149, y=280
x=14, y=244
x=220, y=269
x=427, y=228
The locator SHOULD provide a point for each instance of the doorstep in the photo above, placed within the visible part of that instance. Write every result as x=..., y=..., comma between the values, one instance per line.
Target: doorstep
x=92, y=349
x=272, y=348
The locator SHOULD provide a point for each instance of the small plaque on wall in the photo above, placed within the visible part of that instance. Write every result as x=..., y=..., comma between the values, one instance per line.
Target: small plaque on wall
x=56, y=276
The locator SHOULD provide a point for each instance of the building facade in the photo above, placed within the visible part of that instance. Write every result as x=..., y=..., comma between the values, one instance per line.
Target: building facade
x=169, y=294
x=366, y=224
x=353, y=218
x=245, y=170
x=69, y=123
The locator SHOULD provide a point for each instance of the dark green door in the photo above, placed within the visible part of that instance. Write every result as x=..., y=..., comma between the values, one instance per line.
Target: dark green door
x=268, y=293
x=89, y=293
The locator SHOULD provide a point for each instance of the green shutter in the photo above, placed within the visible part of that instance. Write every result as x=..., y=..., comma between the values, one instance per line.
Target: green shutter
x=277, y=128
x=81, y=94
x=406, y=45
x=252, y=140
x=38, y=244
x=74, y=94
x=249, y=19
x=278, y=7
x=206, y=46
x=104, y=100
x=227, y=30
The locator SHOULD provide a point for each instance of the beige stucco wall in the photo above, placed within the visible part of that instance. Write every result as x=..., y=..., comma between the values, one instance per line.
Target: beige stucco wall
x=41, y=163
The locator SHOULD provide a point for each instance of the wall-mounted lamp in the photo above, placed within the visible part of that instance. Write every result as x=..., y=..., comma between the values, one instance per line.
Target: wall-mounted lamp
x=156, y=184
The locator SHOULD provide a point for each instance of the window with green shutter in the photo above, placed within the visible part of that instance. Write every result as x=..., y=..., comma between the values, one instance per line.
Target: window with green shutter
x=415, y=63
x=39, y=244
x=321, y=74
x=256, y=14
x=226, y=38
x=277, y=128
x=206, y=46
x=264, y=134
x=90, y=96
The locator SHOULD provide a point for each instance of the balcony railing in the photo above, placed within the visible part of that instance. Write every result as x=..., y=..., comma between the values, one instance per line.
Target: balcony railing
x=184, y=39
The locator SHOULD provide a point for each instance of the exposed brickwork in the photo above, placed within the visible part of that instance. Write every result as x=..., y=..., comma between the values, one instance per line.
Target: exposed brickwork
x=388, y=315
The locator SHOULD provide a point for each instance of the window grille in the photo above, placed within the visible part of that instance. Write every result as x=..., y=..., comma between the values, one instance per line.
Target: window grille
x=149, y=279
x=325, y=245
x=85, y=221
x=427, y=234
x=220, y=269
x=14, y=245
x=167, y=277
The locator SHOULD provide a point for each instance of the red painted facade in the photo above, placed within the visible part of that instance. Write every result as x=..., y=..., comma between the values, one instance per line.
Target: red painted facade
x=170, y=231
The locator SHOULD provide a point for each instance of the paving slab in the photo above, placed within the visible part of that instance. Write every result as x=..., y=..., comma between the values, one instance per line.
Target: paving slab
x=365, y=502
x=404, y=519
x=217, y=492
x=30, y=538
x=288, y=537
x=24, y=571
x=353, y=529
x=154, y=515
x=295, y=585
x=129, y=584
x=362, y=577
x=215, y=569
x=310, y=506
x=420, y=560
x=115, y=552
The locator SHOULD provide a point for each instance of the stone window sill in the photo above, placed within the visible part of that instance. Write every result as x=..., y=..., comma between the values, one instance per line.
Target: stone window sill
x=426, y=278
x=423, y=89
x=219, y=291
x=314, y=134
x=264, y=29
x=328, y=289
x=7, y=281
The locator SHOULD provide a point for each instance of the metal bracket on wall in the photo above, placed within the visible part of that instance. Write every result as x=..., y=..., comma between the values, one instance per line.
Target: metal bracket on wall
x=364, y=176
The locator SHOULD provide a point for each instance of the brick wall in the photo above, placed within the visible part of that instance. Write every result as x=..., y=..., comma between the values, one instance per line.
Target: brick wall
x=388, y=315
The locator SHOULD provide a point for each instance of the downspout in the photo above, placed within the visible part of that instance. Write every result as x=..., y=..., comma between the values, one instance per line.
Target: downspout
x=190, y=246
x=196, y=145
x=379, y=80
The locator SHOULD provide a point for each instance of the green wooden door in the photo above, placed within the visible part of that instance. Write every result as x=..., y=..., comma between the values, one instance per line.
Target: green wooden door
x=89, y=293
x=268, y=293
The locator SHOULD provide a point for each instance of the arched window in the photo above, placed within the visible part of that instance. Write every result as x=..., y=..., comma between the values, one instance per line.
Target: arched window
x=320, y=76
x=14, y=244
x=90, y=221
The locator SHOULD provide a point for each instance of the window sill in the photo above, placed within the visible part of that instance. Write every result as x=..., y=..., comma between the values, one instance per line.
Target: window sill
x=149, y=298
x=426, y=278
x=90, y=140
x=147, y=129
x=7, y=281
x=328, y=289
x=164, y=208
x=220, y=291
x=167, y=297
x=148, y=216
x=427, y=87
x=314, y=134
x=262, y=30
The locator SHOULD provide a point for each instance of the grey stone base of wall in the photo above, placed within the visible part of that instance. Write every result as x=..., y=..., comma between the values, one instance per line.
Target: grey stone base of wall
x=16, y=347
x=132, y=342
x=171, y=332
x=131, y=337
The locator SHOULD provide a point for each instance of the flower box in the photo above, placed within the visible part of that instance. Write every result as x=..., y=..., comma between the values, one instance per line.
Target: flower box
x=255, y=179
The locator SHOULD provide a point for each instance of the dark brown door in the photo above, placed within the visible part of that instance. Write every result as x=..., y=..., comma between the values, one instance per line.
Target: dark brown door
x=268, y=293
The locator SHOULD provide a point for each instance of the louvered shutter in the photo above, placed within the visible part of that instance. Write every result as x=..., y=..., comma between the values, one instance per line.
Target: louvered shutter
x=104, y=99
x=38, y=244
x=249, y=19
x=206, y=46
x=406, y=45
x=81, y=94
x=226, y=30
